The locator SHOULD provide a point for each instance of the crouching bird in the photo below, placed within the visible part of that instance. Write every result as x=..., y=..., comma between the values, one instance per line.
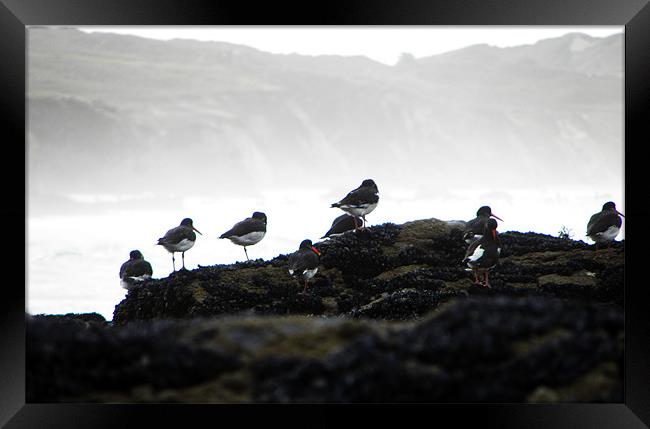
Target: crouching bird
x=604, y=226
x=483, y=254
x=179, y=239
x=135, y=270
x=304, y=262
x=247, y=232
x=361, y=201
x=342, y=224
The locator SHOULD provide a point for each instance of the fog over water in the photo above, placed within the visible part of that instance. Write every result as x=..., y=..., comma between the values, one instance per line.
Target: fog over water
x=127, y=136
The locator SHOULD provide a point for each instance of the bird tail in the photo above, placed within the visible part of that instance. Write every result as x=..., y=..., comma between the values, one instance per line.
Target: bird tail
x=336, y=205
x=160, y=241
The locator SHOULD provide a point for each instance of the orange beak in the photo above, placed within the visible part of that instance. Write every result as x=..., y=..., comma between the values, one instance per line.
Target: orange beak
x=495, y=216
x=620, y=213
x=197, y=230
x=315, y=250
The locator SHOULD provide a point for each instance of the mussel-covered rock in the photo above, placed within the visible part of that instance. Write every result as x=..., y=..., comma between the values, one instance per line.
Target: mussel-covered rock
x=483, y=348
x=374, y=271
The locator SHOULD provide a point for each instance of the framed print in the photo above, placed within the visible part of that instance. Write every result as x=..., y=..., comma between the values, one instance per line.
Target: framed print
x=306, y=174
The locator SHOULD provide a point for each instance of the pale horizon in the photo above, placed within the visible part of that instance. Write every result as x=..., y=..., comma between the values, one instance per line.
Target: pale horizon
x=379, y=43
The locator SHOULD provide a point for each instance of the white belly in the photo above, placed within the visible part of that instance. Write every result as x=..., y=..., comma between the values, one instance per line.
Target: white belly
x=248, y=239
x=478, y=252
x=182, y=246
x=309, y=273
x=359, y=210
x=608, y=235
x=129, y=282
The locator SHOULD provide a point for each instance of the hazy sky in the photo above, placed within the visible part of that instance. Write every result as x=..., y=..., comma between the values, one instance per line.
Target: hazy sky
x=106, y=227
x=381, y=43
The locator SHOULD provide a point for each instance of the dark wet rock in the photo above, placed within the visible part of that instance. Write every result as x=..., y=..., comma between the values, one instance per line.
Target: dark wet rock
x=491, y=349
x=517, y=243
x=484, y=348
x=386, y=272
x=402, y=304
x=82, y=319
x=391, y=316
x=66, y=359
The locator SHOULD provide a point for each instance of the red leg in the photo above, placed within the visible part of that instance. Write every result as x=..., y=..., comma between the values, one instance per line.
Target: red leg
x=487, y=283
x=356, y=226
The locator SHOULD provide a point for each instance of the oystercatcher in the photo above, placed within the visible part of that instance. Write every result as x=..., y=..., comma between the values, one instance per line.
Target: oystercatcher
x=483, y=254
x=475, y=227
x=304, y=262
x=135, y=270
x=603, y=227
x=247, y=232
x=360, y=201
x=179, y=239
x=341, y=224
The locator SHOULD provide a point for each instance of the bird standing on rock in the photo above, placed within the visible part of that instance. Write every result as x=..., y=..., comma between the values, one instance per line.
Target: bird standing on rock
x=475, y=227
x=342, y=224
x=247, y=232
x=135, y=270
x=360, y=201
x=304, y=262
x=603, y=227
x=179, y=239
x=483, y=254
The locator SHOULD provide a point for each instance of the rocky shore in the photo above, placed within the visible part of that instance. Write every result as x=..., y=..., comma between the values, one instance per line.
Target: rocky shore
x=391, y=316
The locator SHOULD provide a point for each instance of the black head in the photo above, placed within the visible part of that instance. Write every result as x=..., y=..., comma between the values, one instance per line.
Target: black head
x=306, y=244
x=188, y=222
x=484, y=211
x=612, y=207
x=260, y=216
x=369, y=183
x=135, y=254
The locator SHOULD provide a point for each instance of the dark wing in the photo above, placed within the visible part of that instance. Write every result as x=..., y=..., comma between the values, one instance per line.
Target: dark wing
x=360, y=196
x=135, y=268
x=476, y=225
x=178, y=234
x=123, y=268
x=147, y=268
x=603, y=220
x=244, y=227
x=303, y=260
x=342, y=224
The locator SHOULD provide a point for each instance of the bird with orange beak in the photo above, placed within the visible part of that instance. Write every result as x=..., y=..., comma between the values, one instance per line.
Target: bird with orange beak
x=475, y=227
x=604, y=226
x=179, y=239
x=304, y=262
x=483, y=254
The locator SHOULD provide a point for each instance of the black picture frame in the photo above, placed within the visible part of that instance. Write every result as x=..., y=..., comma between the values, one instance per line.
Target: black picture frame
x=16, y=15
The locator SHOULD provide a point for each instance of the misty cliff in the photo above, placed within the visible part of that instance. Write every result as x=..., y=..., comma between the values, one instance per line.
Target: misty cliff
x=123, y=109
